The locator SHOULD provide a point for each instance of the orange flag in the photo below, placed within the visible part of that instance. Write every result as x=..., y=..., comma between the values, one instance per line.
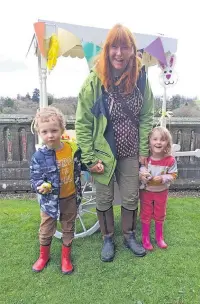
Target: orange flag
x=40, y=33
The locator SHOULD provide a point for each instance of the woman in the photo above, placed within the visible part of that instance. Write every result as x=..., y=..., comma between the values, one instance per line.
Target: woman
x=113, y=120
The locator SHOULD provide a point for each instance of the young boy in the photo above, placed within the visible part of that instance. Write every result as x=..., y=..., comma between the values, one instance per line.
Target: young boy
x=55, y=175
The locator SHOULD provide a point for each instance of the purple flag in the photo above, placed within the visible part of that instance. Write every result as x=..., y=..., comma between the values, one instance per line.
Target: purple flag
x=156, y=50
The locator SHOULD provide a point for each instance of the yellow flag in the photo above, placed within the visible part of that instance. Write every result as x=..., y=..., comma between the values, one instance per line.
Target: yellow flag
x=53, y=52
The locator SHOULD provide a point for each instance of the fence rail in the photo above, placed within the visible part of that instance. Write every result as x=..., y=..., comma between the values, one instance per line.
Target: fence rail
x=17, y=144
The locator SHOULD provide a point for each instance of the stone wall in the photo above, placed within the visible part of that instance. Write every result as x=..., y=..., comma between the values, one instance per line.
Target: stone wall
x=17, y=144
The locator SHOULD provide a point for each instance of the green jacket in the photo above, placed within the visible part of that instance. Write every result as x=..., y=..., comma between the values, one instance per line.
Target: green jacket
x=93, y=132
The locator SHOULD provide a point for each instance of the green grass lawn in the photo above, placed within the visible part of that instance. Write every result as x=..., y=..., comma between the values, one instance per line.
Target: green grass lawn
x=170, y=276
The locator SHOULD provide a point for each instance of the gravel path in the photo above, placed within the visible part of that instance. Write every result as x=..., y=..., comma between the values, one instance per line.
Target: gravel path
x=20, y=195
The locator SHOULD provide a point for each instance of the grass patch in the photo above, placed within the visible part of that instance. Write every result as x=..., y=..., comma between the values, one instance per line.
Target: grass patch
x=163, y=277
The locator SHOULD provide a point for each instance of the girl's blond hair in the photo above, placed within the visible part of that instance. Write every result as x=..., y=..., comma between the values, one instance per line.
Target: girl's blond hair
x=45, y=114
x=119, y=34
x=164, y=132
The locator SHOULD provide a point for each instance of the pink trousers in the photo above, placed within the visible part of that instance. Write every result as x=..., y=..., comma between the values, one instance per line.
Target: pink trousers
x=153, y=206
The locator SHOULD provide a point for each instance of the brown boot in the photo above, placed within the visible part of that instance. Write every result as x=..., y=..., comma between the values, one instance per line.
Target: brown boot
x=129, y=218
x=106, y=222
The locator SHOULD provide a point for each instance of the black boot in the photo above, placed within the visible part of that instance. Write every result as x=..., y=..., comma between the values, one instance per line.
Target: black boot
x=106, y=221
x=129, y=218
x=108, y=249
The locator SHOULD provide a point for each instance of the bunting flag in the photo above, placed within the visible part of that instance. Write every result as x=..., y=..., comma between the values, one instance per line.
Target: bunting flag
x=39, y=28
x=156, y=50
x=53, y=52
x=67, y=41
x=90, y=51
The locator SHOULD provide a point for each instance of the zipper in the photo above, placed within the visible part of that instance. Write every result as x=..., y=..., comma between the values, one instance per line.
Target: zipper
x=102, y=152
x=76, y=188
x=58, y=172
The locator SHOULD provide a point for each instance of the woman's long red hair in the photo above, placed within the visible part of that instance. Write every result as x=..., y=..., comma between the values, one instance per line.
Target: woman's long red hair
x=118, y=35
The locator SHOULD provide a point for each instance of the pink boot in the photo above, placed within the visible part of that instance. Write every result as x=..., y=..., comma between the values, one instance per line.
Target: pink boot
x=159, y=235
x=145, y=236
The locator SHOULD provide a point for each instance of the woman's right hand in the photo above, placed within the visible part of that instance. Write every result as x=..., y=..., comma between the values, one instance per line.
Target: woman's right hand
x=98, y=168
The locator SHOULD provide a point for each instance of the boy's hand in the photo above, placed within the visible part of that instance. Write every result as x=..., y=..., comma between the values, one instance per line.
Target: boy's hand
x=45, y=188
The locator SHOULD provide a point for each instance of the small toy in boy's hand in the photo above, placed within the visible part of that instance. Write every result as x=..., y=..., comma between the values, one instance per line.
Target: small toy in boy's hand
x=44, y=188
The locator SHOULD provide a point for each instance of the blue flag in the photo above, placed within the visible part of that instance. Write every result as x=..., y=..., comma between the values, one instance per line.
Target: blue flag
x=90, y=51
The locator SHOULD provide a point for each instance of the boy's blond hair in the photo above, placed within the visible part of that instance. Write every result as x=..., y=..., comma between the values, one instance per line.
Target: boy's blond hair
x=166, y=135
x=44, y=114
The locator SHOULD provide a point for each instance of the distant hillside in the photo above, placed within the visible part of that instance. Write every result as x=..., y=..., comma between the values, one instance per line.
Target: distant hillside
x=11, y=106
x=179, y=105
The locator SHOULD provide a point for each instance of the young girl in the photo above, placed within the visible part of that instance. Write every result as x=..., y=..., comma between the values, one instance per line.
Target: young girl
x=55, y=176
x=156, y=178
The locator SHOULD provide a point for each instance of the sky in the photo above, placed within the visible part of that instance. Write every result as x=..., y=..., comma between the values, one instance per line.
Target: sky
x=19, y=75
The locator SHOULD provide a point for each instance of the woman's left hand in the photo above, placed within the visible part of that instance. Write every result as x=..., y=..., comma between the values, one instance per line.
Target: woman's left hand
x=98, y=168
x=143, y=160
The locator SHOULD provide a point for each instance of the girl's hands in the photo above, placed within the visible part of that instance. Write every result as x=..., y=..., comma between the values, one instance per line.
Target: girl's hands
x=157, y=179
x=145, y=177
